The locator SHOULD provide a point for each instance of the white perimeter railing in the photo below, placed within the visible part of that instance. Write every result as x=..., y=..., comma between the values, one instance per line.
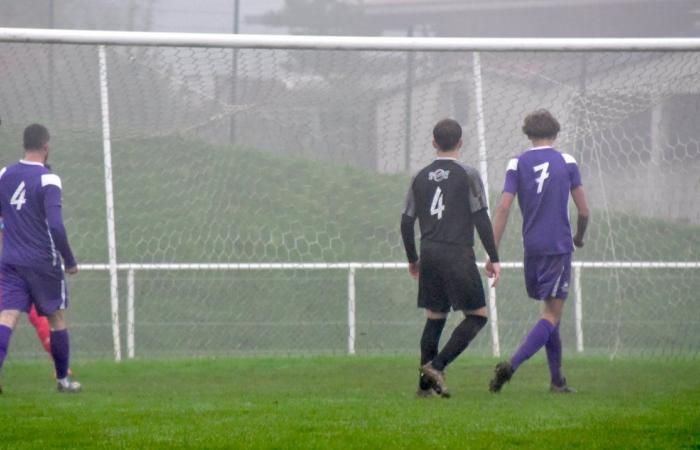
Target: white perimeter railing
x=351, y=268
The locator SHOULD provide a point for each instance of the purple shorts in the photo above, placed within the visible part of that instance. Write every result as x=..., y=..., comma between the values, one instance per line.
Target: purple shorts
x=20, y=287
x=547, y=276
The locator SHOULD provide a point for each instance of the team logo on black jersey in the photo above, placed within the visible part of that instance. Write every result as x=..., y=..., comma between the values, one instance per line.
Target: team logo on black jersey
x=439, y=175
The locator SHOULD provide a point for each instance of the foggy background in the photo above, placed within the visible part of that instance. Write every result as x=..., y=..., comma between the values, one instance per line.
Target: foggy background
x=474, y=18
x=237, y=93
x=252, y=155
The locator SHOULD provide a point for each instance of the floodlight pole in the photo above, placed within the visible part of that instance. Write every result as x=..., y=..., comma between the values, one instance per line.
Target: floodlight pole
x=410, y=62
x=234, y=73
x=52, y=14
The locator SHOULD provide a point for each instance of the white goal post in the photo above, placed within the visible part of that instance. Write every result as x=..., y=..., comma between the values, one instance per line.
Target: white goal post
x=474, y=47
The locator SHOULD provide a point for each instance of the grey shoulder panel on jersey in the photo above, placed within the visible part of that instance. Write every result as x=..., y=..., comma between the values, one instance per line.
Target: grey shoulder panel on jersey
x=477, y=194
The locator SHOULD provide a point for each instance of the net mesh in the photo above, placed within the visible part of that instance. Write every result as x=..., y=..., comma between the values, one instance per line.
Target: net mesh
x=252, y=155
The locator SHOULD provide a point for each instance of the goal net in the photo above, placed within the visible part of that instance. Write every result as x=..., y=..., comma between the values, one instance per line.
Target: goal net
x=255, y=156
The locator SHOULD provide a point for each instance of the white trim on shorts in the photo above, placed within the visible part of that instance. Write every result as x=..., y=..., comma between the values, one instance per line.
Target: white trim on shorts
x=63, y=295
x=556, y=285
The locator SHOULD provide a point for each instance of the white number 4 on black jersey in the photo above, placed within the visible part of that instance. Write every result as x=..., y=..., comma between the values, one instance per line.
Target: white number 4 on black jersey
x=437, y=206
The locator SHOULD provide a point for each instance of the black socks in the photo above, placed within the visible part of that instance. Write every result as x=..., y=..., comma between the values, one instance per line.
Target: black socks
x=429, y=344
x=460, y=339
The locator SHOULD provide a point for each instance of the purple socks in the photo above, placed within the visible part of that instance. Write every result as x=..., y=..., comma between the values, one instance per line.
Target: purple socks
x=535, y=340
x=5, y=333
x=60, y=351
x=553, y=347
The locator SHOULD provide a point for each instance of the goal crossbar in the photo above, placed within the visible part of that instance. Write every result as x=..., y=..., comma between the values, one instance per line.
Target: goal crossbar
x=371, y=43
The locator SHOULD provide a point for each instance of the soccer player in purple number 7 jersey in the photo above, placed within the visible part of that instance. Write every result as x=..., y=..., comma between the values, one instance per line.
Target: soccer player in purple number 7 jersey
x=35, y=241
x=542, y=178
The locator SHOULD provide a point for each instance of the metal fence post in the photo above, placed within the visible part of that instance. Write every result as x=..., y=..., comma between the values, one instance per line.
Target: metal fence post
x=578, y=309
x=351, y=311
x=130, y=315
x=493, y=315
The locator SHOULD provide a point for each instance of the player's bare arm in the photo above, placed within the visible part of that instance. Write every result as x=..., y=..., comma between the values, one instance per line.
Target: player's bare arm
x=500, y=219
x=414, y=269
x=485, y=229
x=581, y=203
x=499, y=227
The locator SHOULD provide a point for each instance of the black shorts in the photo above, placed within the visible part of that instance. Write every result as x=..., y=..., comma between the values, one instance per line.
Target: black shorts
x=449, y=278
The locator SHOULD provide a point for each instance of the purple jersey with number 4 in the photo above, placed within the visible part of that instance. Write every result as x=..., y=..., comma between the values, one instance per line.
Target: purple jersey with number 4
x=30, y=206
x=34, y=240
x=543, y=177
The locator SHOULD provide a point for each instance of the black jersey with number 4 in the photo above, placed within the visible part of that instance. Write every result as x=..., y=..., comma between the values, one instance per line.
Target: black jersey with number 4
x=444, y=196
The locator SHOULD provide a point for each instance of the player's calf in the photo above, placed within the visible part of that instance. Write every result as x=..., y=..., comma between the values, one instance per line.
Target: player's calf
x=8, y=321
x=42, y=327
x=434, y=325
x=462, y=335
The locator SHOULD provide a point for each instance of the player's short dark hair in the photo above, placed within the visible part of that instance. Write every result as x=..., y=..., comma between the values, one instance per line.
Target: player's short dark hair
x=35, y=136
x=541, y=124
x=447, y=134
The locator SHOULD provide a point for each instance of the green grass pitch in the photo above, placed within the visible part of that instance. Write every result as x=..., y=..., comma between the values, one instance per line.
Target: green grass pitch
x=350, y=402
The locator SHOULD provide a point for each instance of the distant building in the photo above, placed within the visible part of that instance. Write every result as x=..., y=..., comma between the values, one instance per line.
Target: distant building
x=530, y=18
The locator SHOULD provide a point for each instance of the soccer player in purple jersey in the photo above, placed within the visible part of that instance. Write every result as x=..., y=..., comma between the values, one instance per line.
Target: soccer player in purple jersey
x=35, y=240
x=542, y=178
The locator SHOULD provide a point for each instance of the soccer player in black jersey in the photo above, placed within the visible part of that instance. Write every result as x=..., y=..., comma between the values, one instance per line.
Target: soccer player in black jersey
x=448, y=199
